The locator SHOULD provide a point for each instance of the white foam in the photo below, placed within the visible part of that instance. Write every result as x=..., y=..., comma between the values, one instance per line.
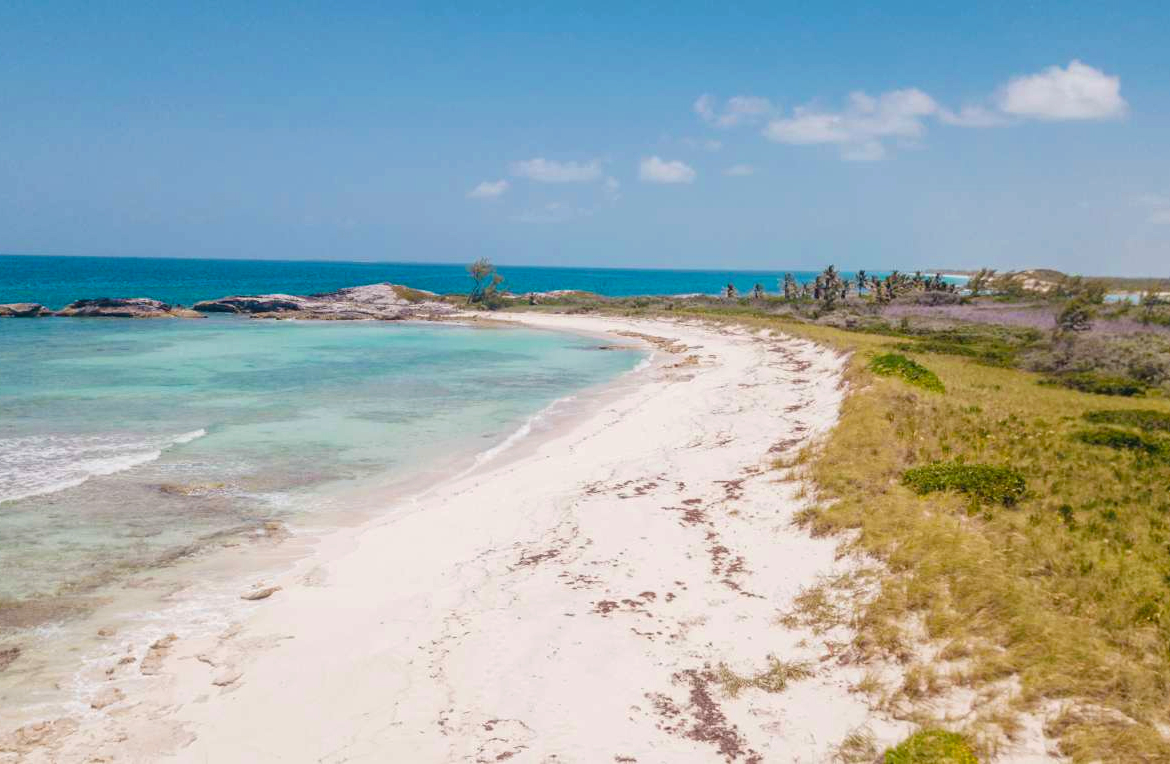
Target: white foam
x=519, y=434
x=38, y=465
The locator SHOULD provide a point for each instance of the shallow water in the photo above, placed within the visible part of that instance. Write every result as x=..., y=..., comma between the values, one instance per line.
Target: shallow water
x=126, y=442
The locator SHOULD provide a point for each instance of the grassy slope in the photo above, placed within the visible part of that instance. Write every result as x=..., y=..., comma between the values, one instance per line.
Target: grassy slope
x=1068, y=591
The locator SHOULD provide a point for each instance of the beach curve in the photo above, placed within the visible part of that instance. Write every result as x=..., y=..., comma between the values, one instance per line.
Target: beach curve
x=575, y=604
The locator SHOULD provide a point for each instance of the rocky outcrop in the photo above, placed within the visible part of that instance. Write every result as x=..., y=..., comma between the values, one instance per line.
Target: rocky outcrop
x=385, y=302
x=23, y=310
x=125, y=307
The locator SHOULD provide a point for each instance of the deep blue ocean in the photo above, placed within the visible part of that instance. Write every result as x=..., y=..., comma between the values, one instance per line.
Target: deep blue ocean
x=57, y=281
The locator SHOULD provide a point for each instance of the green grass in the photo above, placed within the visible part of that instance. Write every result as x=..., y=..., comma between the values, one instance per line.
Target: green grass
x=412, y=295
x=932, y=747
x=984, y=482
x=1068, y=594
x=1123, y=440
x=1098, y=384
x=1143, y=419
x=893, y=364
x=990, y=355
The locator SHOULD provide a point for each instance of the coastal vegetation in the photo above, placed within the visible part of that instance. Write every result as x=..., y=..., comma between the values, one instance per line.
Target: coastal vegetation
x=775, y=678
x=486, y=292
x=932, y=746
x=1011, y=536
x=987, y=483
x=895, y=364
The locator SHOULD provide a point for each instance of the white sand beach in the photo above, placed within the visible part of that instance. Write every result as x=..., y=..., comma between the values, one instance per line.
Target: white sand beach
x=571, y=604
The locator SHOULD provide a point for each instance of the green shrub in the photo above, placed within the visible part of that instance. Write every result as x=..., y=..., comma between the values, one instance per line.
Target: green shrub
x=893, y=364
x=1124, y=441
x=985, y=482
x=1143, y=419
x=932, y=747
x=1100, y=384
x=984, y=353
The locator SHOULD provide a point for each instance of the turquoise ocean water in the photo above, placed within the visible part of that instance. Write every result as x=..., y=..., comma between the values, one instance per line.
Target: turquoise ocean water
x=56, y=281
x=126, y=442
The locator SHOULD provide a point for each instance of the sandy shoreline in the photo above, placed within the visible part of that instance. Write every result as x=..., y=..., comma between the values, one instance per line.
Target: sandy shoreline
x=570, y=604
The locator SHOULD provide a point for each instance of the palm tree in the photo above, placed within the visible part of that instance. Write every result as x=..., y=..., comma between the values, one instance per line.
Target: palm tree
x=791, y=291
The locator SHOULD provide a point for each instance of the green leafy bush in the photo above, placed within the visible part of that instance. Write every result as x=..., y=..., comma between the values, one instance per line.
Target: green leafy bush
x=985, y=482
x=932, y=747
x=1143, y=419
x=1100, y=384
x=893, y=364
x=1124, y=441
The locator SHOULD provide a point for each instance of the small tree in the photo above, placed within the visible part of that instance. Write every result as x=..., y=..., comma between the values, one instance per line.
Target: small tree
x=981, y=281
x=1076, y=317
x=487, y=283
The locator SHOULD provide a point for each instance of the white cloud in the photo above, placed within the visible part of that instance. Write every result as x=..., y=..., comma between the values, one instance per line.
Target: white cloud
x=551, y=171
x=972, y=116
x=656, y=170
x=1076, y=92
x=489, y=190
x=612, y=187
x=740, y=170
x=865, y=128
x=737, y=110
x=861, y=126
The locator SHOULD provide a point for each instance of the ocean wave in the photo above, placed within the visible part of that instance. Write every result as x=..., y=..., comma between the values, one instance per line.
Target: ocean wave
x=517, y=435
x=38, y=465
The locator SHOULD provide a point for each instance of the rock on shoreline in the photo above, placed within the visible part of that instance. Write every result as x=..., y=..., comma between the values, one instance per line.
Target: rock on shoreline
x=125, y=307
x=384, y=302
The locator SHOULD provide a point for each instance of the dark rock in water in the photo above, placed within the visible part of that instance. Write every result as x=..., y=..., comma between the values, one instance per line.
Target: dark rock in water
x=385, y=302
x=125, y=307
x=23, y=310
x=269, y=303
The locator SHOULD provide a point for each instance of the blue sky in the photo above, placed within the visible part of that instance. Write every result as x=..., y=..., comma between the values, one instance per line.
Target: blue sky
x=676, y=135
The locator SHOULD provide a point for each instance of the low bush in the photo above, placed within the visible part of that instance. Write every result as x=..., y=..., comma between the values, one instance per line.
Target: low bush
x=991, y=355
x=1143, y=419
x=893, y=364
x=1123, y=440
x=932, y=747
x=1099, y=384
x=985, y=482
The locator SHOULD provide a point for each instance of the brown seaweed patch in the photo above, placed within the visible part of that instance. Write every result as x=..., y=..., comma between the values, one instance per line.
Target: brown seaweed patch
x=707, y=722
x=24, y=614
x=536, y=559
x=8, y=656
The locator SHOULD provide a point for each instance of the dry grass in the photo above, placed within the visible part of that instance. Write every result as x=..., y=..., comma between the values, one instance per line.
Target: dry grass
x=775, y=678
x=1069, y=591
